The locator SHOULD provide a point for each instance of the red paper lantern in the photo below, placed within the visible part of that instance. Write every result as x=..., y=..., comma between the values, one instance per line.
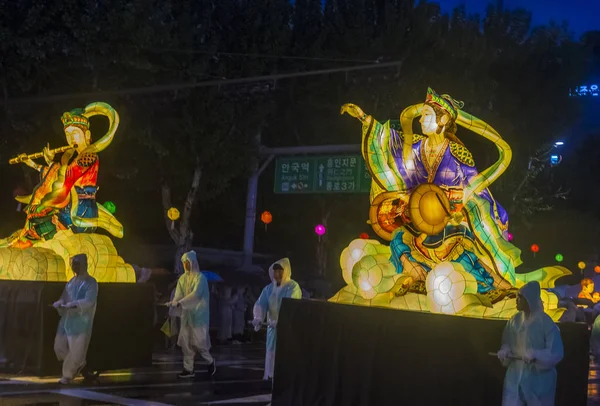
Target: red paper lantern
x=364, y=236
x=266, y=217
x=535, y=248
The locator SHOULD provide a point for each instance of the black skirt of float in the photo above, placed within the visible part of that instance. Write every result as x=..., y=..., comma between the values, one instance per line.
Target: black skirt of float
x=332, y=354
x=122, y=335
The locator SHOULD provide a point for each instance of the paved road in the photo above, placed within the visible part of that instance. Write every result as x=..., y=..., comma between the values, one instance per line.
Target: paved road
x=238, y=382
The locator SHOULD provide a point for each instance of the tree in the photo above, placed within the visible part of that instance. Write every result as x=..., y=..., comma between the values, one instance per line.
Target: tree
x=511, y=76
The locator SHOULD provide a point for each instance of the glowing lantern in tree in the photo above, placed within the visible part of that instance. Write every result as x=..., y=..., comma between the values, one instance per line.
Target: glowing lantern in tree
x=535, y=248
x=320, y=229
x=266, y=217
x=509, y=237
x=110, y=206
x=581, y=265
x=173, y=214
x=597, y=269
x=364, y=236
x=559, y=257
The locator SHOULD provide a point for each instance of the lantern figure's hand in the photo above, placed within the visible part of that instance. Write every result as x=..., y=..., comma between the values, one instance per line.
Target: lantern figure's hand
x=355, y=111
x=457, y=218
x=29, y=162
x=48, y=154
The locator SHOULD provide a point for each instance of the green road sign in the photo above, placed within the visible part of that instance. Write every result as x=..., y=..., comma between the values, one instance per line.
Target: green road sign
x=323, y=174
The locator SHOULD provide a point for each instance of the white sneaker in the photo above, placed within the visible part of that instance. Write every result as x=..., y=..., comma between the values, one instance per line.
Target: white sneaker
x=65, y=381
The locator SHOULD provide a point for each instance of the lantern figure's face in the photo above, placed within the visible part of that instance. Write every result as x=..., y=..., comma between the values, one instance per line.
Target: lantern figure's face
x=428, y=120
x=187, y=266
x=77, y=137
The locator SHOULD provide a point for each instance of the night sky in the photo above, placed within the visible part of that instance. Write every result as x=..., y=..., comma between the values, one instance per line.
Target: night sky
x=582, y=15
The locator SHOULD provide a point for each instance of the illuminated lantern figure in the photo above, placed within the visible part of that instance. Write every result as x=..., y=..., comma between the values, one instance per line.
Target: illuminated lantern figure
x=559, y=257
x=111, y=207
x=62, y=212
x=437, y=208
x=65, y=198
x=266, y=217
x=173, y=215
x=434, y=207
x=597, y=269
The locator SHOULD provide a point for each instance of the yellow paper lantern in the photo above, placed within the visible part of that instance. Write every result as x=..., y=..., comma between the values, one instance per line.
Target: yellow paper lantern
x=173, y=214
x=581, y=265
x=447, y=284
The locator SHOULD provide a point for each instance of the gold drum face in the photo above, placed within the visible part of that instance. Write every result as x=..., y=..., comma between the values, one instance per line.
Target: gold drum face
x=428, y=208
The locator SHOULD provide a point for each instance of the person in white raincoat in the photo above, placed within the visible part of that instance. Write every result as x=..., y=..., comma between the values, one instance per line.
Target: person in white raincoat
x=226, y=302
x=531, y=348
x=239, y=314
x=269, y=303
x=192, y=298
x=77, y=307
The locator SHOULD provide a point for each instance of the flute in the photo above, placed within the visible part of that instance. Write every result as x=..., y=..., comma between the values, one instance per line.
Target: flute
x=23, y=157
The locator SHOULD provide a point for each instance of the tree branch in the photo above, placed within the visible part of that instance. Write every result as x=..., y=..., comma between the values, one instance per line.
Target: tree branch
x=190, y=201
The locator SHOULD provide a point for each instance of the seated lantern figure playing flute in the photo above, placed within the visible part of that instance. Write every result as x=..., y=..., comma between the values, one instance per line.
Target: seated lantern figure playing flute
x=65, y=197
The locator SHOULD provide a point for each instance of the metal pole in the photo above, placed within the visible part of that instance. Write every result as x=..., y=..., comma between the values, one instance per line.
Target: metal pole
x=251, y=214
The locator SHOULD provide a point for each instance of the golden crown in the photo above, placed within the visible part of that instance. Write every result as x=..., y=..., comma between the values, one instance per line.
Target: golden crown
x=446, y=102
x=75, y=117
